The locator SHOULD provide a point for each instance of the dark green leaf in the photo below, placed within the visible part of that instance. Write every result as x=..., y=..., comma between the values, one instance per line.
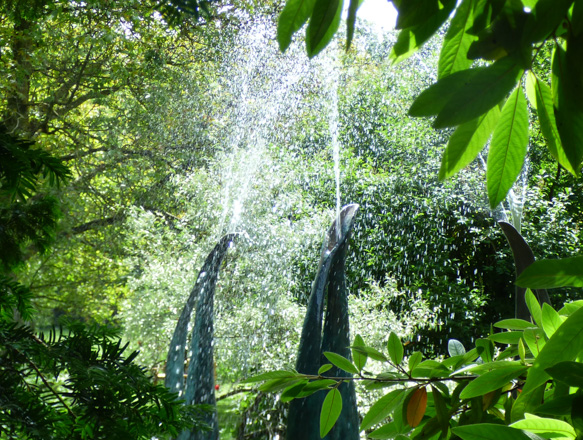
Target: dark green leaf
x=273, y=375
x=292, y=18
x=486, y=431
x=548, y=274
x=350, y=21
x=390, y=430
x=316, y=385
x=508, y=148
x=293, y=391
x=331, y=409
x=567, y=69
x=371, y=353
x=359, y=357
x=323, y=25
x=544, y=18
x=568, y=372
x=415, y=359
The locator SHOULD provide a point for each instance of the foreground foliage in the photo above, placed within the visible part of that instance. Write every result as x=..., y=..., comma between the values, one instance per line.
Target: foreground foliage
x=522, y=381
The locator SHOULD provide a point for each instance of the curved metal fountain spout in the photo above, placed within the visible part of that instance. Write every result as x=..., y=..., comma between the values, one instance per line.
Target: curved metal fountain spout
x=523, y=257
x=199, y=386
x=304, y=414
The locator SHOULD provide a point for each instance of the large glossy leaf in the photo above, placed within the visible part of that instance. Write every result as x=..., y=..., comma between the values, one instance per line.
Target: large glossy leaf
x=395, y=348
x=567, y=89
x=541, y=99
x=487, y=431
x=492, y=381
x=466, y=142
x=323, y=25
x=453, y=56
x=416, y=407
x=467, y=94
x=292, y=18
x=568, y=372
x=548, y=274
x=341, y=362
x=331, y=409
x=382, y=408
x=513, y=324
x=506, y=337
x=547, y=428
x=508, y=148
x=565, y=344
x=455, y=348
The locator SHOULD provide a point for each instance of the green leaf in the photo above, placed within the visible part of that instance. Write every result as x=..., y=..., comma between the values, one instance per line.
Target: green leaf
x=541, y=99
x=382, y=408
x=508, y=148
x=430, y=368
x=331, y=409
x=316, y=385
x=467, y=94
x=571, y=307
x=390, y=430
x=565, y=344
x=350, y=21
x=414, y=359
x=454, y=50
x=513, y=324
x=395, y=348
x=292, y=18
x=567, y=69
x=293, y=391
x=547, y=428
x=466, y=142
x=557, y=406
x=522, y=350
x=549, y=274
x=359, y=358
x=534, y=308
x=487, y=431
x=510, y=338
x=498, y=365
x=455, y=348
x=492, y=381
x=323, y=25
x=568, y=372
x=535, y=340
x=440, y=409
x=341, y=362
x=324, y=368
x=276, y=384
x=280, y=374
x=485, y=349
x=551, y=320
x=544, y=17
x=413, y=37
x=371, y=353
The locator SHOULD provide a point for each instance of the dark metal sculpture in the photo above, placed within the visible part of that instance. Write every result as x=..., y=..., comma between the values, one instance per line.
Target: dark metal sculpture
x=523, y=257
x=199, y=387
x=330, y=283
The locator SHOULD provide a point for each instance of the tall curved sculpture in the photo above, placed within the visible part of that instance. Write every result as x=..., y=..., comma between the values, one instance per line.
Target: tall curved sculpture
x=330, y=283
x=199, y=386
x=523, y=257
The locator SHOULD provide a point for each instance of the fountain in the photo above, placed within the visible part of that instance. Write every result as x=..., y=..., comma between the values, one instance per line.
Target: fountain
x=330, y=284
x=199, y=387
